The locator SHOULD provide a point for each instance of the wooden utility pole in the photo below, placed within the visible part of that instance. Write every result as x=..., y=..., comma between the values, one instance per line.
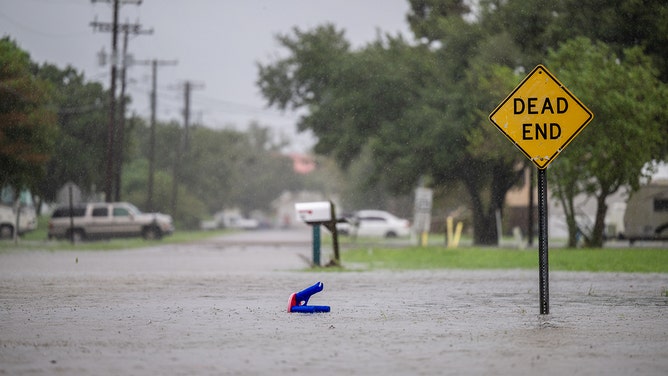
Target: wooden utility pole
x=111, y=127
x=188, y=87
x=126, y=61
x=154, y=103
x=183, y=144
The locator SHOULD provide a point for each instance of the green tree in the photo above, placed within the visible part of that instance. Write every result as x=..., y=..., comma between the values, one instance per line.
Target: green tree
x=426, y=17
x=405, y=102
x=237, y=169
x=357, y=92
x=301, y=79
x=265, y=173
x=190, y=208
x=358, y=192
x=80, y=144
x=233, y=169
x=216, y=154
x=538, y=25
x=628, y=131
x=418, y=108
x=27, y=119
x=190, y=195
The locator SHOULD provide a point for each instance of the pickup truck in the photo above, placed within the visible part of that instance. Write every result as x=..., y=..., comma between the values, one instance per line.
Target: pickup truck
x=107, y=220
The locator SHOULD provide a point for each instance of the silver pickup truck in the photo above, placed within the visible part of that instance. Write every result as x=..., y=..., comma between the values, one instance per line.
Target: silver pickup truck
x=107, y=220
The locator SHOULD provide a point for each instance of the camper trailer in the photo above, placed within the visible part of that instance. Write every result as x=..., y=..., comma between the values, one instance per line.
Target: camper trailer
x=646, y=216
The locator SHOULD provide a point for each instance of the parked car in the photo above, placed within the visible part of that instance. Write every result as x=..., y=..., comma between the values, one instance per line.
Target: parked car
x=107, y=220
x=233, y=219
x=370, y=223
x=241, y=223
x=344, y=223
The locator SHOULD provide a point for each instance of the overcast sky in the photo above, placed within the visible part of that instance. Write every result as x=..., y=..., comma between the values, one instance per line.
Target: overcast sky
x=217, y=44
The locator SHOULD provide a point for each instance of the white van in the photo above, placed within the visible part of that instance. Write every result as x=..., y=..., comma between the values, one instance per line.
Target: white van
x=646, y=216
x=10, y=212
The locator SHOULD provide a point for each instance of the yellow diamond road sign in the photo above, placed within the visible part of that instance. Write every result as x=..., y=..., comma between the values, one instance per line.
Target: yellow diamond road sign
x=541, y=116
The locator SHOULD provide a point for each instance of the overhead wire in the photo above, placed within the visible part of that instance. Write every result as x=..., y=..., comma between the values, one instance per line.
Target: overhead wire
x=41, y=33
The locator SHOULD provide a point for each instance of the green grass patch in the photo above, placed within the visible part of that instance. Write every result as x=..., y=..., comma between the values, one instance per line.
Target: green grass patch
x=635, y=260
x=627, y=260
x=39, y=241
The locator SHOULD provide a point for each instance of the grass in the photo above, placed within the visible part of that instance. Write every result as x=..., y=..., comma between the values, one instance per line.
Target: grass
x=627, y=260
x=370, y=254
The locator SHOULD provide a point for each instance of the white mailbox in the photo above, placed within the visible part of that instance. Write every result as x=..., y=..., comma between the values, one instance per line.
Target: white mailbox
x=314, y=212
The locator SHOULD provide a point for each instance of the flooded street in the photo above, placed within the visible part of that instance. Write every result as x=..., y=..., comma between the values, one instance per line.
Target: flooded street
x=219, y=307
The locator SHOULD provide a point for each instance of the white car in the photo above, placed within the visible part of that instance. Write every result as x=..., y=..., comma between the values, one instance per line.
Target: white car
x=379, y=223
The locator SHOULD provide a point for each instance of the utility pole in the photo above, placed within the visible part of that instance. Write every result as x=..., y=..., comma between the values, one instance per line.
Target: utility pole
x=182, y=143
x=151, y=151
x=126, y=60
x=113, y=27
x=188, y=87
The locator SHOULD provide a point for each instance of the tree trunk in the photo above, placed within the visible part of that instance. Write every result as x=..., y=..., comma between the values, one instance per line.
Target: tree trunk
x=484, y=228
x=566, y=195
x=569, y=212
x=37, y=200
x=484, y=216
x=596, y=238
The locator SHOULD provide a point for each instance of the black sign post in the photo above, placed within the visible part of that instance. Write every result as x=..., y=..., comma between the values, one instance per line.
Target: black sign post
x=543, y=264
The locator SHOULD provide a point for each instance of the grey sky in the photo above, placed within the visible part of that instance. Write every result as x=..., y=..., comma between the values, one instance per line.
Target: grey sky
x=216, y=43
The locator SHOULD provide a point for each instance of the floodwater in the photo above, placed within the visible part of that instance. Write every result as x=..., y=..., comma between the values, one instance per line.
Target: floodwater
x=220, y=308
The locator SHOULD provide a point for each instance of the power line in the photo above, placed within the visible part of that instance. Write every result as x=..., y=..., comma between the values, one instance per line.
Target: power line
x=46, y=34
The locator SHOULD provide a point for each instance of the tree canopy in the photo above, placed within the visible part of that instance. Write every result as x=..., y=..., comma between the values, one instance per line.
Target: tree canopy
x=27, y=119
x=222, y=168
x=421, y=107
x=80, y=106
x=410, y=104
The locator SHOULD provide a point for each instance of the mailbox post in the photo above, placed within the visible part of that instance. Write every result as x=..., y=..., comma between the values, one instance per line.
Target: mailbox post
x=316, y=214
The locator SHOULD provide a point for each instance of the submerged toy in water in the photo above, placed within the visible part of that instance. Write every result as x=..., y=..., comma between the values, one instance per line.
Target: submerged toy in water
x=298, y=301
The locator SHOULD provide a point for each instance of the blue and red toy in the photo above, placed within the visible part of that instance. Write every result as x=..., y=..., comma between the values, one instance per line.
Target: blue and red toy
x=298, y=301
